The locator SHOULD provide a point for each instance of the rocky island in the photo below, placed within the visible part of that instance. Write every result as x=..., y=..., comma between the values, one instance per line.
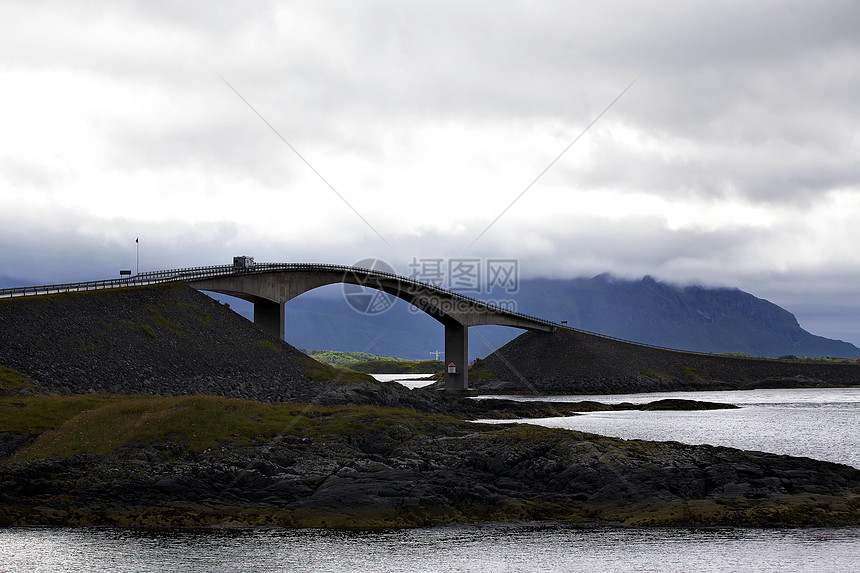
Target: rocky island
x=160, y=407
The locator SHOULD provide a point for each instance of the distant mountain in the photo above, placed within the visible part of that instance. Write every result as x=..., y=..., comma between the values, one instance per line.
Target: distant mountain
x=323, y=320
x=646, y=311
x=686, y=318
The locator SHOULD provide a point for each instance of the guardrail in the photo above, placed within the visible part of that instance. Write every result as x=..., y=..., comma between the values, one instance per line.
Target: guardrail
x=219, y=271
x=192, y=274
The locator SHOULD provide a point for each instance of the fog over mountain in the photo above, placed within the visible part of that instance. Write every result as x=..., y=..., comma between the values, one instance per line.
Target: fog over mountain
x=692, y=318
x=695, y=141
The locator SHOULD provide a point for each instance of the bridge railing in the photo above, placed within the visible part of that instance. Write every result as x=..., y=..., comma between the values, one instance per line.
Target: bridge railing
x=142, y=279
x=218, y=271
x=270, y=267
x=76, y=287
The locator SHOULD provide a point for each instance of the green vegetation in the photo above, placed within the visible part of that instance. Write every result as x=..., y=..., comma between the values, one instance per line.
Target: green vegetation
x=66, y=426
x=691, y=372
x=335, y=358
x=476, y=374
x=156, y=318
x=270, y=345
x=398, y=366
x=654, y=374
x=202, y=316
x=147, y=330
x=820, y=360
x=37, y=414
x=326, y=373
x=368, y=363
x=380, y=365
x=11, y=382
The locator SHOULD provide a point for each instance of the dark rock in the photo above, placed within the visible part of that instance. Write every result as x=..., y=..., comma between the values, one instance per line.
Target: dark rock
x=387, y=476
x=517, y=472
x=572, y=362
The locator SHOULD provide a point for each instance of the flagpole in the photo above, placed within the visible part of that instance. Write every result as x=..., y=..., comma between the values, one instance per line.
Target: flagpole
x=137, y=242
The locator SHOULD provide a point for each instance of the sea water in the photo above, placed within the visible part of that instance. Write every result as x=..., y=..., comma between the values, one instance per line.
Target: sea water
x=495, y=548
x=821, y=424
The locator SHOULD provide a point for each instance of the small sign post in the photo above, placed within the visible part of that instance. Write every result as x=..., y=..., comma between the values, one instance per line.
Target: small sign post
x=452, y=368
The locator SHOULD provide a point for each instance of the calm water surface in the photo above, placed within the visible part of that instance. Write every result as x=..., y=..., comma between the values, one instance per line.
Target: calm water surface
x=822, y=424
x=489, y=547
x=411, y=381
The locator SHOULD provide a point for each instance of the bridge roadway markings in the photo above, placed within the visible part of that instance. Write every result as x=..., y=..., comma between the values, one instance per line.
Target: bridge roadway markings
x=270, y=285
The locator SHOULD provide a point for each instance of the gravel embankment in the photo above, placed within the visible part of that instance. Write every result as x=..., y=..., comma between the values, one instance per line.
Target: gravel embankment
x=569, y=362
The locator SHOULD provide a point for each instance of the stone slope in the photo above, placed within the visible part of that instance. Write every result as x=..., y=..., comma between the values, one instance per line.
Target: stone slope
x=167, y=339
x=570, y=362
x=172, y=340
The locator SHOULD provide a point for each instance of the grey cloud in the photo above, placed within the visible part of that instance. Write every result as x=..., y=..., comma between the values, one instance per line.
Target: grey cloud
x=240, y=148
x=715, y=76
x=757, y=100
x=70, y=246
x=779, y=171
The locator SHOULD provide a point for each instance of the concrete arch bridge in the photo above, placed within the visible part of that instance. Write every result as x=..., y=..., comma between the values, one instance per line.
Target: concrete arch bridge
x=270, y=285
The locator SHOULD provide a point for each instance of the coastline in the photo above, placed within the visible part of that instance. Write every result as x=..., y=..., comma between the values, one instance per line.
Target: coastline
x=367, y=467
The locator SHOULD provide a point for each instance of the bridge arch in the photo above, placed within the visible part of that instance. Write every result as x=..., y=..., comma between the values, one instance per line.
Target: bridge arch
x=270, y=286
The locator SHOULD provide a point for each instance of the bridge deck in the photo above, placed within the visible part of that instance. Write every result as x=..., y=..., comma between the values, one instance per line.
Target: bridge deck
x=197, y=274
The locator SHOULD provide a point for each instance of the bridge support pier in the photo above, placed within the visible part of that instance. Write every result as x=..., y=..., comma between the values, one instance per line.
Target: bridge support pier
x=269, y=285
x=269, y=316
x=457, y=351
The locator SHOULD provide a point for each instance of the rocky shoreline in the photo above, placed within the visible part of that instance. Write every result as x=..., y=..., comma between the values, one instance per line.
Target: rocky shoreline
x=396, y=468
x=158, y=407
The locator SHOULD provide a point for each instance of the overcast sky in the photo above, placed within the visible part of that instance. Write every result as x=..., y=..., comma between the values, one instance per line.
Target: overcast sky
x=731, y=160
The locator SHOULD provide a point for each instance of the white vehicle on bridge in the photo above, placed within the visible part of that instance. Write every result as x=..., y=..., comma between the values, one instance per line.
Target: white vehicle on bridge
x=243, y=263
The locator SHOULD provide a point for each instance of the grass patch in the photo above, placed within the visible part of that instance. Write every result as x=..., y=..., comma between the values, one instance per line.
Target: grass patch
x=36, y=415
x=476, y=374
x=158, y=319
x=201, y=315
x=201, y=420
x=654, y=374
x=336, y=358
x=67, y=426
x=12, y=382
x=270, y=345
x=691, y=372
x=324, y=373
x=398, y=366
x=147, y=330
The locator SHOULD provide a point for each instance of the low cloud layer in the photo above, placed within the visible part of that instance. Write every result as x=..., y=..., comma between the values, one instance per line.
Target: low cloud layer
x=732, y=160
